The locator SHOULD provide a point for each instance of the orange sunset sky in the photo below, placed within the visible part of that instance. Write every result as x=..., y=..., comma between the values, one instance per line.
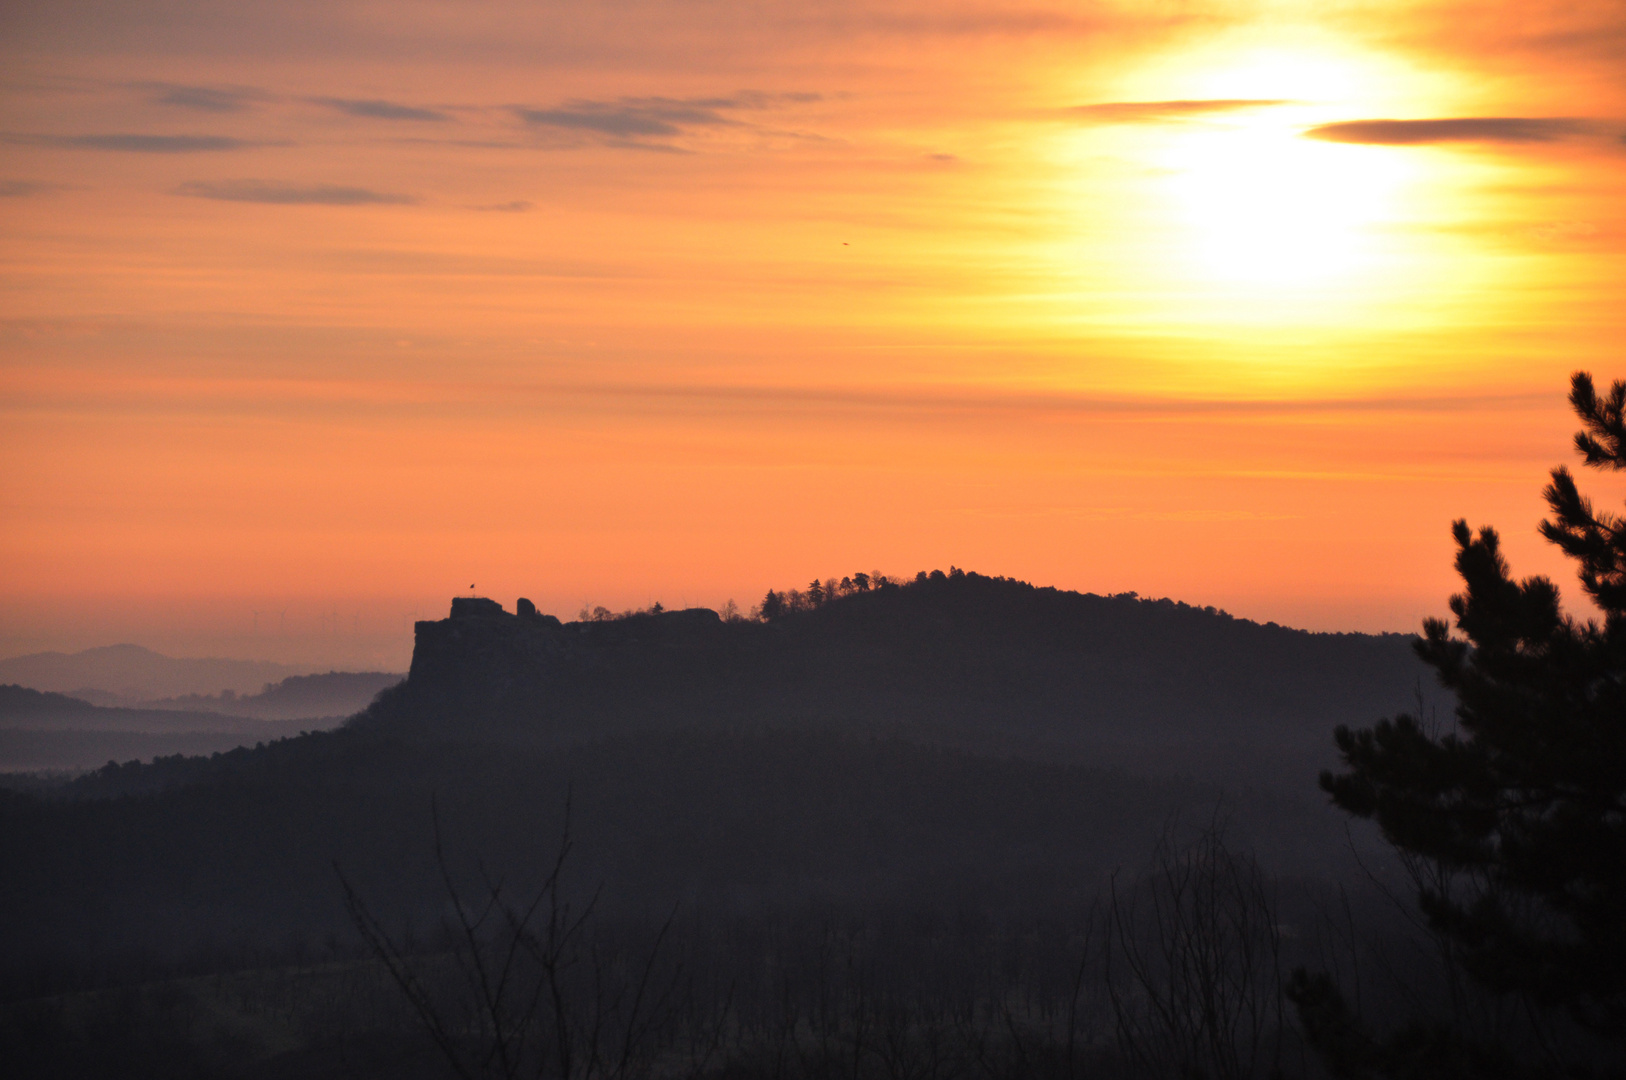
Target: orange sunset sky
x=312, y=314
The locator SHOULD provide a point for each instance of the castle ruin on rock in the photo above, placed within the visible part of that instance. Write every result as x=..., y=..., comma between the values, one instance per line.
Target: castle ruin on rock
x=484, y=662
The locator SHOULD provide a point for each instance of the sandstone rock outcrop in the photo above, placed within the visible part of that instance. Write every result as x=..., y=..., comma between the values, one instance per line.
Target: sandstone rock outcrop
x=484, y=663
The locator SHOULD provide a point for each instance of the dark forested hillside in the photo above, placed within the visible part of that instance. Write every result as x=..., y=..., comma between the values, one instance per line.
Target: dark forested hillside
x=243, y=857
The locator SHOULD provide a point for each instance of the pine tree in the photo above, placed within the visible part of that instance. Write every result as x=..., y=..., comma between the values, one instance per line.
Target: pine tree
x=773, y=606
x=1524, y=805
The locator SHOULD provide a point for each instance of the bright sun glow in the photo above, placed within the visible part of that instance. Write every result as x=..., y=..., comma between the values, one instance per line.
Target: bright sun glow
x=1259, y=204
x=1251, y=201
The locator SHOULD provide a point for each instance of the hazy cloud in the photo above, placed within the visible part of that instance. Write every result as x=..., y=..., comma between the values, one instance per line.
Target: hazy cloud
x=17, y=189
x=518, y=206
x=216, y=99
x=1146, y=112
x=1494, y=129
x=270, y=191
x=1057, y=403
x=374, y=109
x=632, y=119
x=139, y=144
x=1537, y=38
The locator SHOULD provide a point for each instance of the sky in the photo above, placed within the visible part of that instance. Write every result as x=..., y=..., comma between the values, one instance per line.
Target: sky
x=314, y=315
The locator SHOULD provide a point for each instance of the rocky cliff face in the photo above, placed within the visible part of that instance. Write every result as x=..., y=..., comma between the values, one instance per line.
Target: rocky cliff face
x=483, y=662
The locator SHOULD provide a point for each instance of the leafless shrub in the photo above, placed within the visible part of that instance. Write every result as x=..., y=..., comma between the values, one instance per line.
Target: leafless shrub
x=522, y=989
x=1193, y=964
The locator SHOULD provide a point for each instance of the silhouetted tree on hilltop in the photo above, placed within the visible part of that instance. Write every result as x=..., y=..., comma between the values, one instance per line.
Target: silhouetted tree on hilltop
x=775, y=604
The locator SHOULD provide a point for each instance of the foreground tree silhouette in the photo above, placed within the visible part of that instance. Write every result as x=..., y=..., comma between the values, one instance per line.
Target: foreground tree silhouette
x=1520, y=812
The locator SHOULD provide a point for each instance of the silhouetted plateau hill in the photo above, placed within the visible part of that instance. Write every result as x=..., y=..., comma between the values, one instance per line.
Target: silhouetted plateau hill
x=988, y=664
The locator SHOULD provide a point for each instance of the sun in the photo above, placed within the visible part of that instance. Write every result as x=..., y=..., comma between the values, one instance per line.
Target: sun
x=1254, y=203
x=1242, y=200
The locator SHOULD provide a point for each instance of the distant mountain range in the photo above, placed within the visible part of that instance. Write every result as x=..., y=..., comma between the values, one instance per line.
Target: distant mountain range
x=127, y=674
x=335, y=693
x=40, y=730
x=37, y=710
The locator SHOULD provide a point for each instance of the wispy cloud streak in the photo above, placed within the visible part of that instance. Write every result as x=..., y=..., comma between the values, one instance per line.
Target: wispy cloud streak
x=17, y=189
x=631, y=121
x=272, y=192
x=133, y=143
x=631, y=117
x=214, y=99
x=374, y=109
x=1145, y=112
x=1484, y=129
x=419, y=398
